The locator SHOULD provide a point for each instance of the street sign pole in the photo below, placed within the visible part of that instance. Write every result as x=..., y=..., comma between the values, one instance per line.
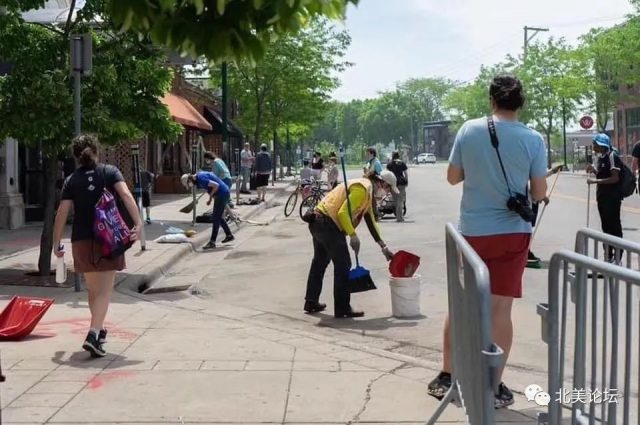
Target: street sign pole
x=81, y=64
x=137, y=184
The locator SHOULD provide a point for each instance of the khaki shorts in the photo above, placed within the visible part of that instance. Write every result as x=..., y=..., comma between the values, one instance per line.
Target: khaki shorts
x=86, y=258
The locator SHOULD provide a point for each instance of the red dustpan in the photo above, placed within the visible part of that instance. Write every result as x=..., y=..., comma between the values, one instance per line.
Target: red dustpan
x=21, y=316
x=404, y=264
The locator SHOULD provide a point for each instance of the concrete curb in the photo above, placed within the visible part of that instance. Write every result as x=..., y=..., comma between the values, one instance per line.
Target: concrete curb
x=160, y=267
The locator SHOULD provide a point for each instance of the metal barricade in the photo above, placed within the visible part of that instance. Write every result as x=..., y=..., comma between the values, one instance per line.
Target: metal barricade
x=475, y=357
x=591, y=390
x=589, y=242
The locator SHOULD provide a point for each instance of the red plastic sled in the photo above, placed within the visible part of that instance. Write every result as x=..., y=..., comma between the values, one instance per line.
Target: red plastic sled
x=404, y=264
x=21, y=316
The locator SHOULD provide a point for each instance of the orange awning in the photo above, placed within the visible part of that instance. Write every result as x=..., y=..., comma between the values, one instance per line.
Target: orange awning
x=184, y=113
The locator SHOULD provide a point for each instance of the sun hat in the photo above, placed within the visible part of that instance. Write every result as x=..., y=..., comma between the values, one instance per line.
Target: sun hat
x=390, y=178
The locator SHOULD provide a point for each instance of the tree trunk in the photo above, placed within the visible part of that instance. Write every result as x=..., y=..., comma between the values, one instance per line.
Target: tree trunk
x=289, y=156
x=46, y=239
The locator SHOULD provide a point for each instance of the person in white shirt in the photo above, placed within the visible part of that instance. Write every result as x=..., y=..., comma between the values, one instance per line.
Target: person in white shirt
x=246, y=162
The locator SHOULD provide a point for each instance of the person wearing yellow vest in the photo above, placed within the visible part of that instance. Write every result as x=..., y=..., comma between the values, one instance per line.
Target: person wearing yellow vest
x=329, y=225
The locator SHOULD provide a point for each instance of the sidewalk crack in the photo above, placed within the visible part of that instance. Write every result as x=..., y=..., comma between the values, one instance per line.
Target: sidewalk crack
x=367, y=394
x=286, y=402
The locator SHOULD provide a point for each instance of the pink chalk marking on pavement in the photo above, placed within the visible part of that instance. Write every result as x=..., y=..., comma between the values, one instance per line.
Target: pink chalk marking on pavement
x=99, y=381
x=79, y=326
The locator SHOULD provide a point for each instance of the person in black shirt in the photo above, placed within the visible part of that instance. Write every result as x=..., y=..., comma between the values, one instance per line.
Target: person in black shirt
x=608, y=195
x=82, y=190
x=635, y=154
x=317, y=165
x=399, y=168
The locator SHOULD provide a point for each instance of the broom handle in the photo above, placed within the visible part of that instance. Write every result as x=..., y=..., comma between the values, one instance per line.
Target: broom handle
x=544, y=207
x=346, y=189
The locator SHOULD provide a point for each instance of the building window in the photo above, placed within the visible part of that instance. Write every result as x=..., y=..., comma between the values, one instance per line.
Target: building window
x=633, y=118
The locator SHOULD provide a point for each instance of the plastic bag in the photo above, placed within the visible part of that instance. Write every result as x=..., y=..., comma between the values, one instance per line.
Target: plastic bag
x=175, y=238
x=174, y=230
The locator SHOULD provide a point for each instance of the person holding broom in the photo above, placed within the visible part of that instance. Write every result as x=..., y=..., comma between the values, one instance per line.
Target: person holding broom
x=335, y=218
x=532, y=260
x=217, y=190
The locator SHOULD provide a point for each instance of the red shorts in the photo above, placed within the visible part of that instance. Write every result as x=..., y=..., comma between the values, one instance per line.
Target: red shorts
x=506, y=259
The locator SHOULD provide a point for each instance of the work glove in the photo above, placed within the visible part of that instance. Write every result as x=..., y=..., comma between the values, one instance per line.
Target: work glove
x=387, y=253
x=354, y=242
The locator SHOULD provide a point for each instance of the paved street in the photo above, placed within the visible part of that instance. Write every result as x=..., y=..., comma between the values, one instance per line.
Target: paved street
x=240, y=350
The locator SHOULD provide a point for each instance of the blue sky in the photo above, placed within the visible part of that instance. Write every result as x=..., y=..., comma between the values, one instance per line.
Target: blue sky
x=394, y=40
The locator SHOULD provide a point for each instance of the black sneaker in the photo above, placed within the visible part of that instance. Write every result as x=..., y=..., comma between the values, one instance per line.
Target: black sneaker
x=93, y=346
x=148, y=220
x=102, y=336
x=228, y=239
x=504, y=397
x=210, y=245
x=439, y=387
x=532, y=258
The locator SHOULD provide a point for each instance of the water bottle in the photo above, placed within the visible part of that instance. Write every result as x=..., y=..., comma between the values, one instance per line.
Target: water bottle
x=61, y=268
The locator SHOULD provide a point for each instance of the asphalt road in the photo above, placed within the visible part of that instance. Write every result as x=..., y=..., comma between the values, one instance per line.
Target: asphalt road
x=268, y=271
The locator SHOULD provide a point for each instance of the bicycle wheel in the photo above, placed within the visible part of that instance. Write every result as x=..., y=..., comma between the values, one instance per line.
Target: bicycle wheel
x=308, y=203
x=290, y=206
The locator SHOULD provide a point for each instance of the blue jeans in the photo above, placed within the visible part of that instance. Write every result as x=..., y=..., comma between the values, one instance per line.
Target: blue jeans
x=218, y=217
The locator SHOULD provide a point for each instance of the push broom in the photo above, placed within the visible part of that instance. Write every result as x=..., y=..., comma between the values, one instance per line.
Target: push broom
x=536, y=264
x=187, y=209
x=359, y=278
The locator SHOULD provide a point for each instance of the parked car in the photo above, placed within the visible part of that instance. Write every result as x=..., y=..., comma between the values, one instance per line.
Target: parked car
x=426, y=158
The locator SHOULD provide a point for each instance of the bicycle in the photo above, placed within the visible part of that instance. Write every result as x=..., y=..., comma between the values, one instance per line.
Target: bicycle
x=318, y=190
x=304, y=189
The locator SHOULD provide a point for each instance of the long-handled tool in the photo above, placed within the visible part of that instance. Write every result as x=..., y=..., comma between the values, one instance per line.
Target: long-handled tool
x=588, y=204
x=536, y=264
x=359, y=278
x=188, y=208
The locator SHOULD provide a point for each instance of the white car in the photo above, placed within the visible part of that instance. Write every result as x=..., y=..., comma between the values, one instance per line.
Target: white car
x=426, y=158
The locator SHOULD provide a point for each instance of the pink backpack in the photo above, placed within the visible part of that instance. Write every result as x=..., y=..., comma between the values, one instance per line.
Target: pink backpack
x=109, y=227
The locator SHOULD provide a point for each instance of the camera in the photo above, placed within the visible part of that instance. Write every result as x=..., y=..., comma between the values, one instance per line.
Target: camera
x=519, y=204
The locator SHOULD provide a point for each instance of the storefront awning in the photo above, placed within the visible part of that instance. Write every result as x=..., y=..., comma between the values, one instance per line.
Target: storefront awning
x=184, y=113
x=215, y=118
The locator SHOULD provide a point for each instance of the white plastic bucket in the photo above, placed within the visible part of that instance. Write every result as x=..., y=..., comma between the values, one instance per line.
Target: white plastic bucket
x=405, y=296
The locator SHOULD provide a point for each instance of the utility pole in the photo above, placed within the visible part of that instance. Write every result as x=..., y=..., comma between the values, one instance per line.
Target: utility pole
x=225, y=112
x=528, y=38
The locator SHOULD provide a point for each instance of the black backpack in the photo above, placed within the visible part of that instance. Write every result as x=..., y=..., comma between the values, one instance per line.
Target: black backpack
x=628, y=183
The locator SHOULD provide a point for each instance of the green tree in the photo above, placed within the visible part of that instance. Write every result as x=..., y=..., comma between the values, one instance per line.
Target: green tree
x=122, y=96
x=292, y=82
x=222, y=29
x=610, y=58
x=553, y=79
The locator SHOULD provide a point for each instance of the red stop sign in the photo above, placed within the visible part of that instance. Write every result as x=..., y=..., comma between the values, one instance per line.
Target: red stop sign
x=586, y=122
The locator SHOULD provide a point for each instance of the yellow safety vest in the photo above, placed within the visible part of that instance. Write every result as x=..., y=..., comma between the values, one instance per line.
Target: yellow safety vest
x=333, y=201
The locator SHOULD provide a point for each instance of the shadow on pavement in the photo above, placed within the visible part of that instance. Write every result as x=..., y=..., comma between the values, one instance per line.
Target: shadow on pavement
x=82, y=360
x=377, y=324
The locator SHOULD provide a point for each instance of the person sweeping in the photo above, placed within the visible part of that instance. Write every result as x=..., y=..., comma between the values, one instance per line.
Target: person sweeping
x=217, y=190
x=335, y=218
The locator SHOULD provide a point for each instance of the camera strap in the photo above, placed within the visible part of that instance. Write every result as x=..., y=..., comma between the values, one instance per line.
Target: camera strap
x=496, y=143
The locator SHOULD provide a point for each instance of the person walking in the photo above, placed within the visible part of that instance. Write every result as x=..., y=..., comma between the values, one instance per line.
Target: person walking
x=264, y=167
x=146, y=183
x=329, y=225
x=499, y=234
x=608, y=194
x=247, y=160
x=373, y=163
x=400, y=170
x=82, y=190
x=217, y=190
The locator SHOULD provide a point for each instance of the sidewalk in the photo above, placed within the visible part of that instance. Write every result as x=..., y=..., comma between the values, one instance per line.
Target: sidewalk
x=170, y=363
x=19, y=249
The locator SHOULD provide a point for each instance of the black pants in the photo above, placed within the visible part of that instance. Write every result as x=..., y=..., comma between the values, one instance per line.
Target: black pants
x=609, y=209
x=329, y=245
x=217, y=217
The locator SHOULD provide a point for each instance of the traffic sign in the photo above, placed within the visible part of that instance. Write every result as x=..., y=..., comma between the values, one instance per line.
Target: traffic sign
x=586, y=122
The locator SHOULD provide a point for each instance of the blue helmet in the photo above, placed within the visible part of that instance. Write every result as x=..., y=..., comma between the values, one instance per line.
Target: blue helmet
x=603, y=140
